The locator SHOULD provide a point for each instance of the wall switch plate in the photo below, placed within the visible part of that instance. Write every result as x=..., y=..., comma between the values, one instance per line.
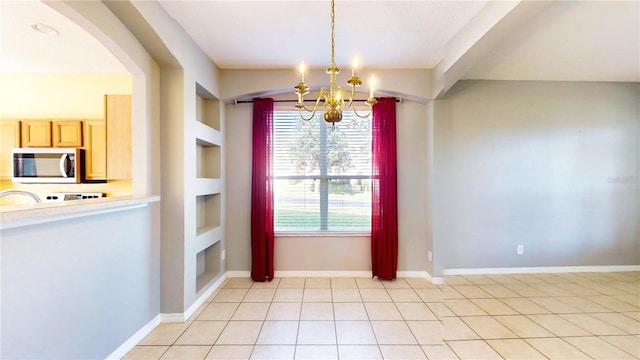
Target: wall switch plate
x=520, y=249
x=430, y=255
x=223, y=255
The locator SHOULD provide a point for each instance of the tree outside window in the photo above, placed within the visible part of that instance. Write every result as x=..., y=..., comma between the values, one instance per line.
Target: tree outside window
x=322, y=174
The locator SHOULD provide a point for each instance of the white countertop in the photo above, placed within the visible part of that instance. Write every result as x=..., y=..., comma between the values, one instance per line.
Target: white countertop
x=12, y=216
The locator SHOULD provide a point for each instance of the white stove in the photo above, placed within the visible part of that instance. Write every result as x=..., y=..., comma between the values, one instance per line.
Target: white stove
x=72, y=196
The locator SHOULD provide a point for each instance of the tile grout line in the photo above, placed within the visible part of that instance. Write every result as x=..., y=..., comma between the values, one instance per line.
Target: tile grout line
x=614, y=294
x=375, y=336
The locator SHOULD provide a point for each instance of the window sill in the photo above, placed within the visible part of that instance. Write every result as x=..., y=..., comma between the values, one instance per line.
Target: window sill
x=323, y=234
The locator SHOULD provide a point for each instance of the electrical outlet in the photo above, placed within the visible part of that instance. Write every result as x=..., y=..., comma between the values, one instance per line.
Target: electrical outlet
x=430, y=255
x=520, y=249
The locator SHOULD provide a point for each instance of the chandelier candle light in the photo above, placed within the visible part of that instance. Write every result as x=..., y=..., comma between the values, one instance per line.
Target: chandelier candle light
x=333, y=98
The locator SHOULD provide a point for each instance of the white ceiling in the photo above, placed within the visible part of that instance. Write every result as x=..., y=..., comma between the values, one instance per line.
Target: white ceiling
x=26, y=51
x=567, y=40
x=279, y=34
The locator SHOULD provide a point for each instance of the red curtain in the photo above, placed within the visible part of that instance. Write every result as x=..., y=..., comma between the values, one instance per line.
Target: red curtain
x=384, y=209
x=262, y=192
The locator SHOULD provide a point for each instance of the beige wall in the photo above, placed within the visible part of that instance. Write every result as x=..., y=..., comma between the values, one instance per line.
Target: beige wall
x=409, y=84
x=328, y=253
x=413, y=236
x=551, y=166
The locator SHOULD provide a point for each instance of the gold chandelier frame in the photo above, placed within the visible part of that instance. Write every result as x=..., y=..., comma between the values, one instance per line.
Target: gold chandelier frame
x=333, y=97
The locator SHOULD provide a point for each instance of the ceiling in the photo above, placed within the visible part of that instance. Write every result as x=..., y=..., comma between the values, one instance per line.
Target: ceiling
x=26, y=51
x=565, y=40
x=279, y=34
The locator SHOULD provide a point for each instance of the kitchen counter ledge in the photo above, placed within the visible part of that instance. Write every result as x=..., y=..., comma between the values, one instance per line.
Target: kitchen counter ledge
x=13, y=216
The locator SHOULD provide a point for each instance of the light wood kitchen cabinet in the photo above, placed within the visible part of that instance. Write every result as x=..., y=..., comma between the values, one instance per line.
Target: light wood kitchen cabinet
x=95, y=153
x=118, y=118
x=36, y=133
x=9, y=138
x=67, y=133
x=107, y=142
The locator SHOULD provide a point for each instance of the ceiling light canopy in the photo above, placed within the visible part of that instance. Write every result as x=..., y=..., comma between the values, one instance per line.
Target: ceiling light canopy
x=334, y=98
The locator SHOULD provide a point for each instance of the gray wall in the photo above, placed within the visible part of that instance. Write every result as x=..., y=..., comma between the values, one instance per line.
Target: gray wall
x=334, y=253
x=79, y=288
x=238, y=187
x=411, y=136
x=184, y=68
x=551, y=166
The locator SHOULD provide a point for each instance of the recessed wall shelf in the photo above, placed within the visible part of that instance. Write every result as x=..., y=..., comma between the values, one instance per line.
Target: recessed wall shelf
x=208, y=265
x=207, y=136
x=207, y=109
x=193, y=243
x=204, y=186
x=208, y=187
x=208, y=161
x=208, y=209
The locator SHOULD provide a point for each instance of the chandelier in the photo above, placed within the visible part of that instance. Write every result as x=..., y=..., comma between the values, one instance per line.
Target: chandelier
x=334, y=98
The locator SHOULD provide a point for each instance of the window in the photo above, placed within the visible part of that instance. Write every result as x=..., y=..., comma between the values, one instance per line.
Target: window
x=322, y=174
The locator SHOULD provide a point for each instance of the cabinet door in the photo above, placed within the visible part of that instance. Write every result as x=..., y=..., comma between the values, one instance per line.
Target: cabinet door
x=67, y=133
x=118, y=115
x=95, y=151
x=9, y=138
x=36, y=133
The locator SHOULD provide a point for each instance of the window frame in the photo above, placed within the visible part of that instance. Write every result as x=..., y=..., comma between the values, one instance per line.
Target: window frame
x=324, y=179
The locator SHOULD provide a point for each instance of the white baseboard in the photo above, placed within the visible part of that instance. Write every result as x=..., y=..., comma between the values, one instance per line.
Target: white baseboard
x=540, y=270
x=289, y=274
x=360, y=274
x=123, y=349
x=182, y=317
x=172, y=317
x=421, y=274
x=238, y=274
x=414, y=274
x=203, y=298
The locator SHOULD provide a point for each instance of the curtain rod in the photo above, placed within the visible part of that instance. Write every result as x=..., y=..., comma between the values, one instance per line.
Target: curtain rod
x=236, y=101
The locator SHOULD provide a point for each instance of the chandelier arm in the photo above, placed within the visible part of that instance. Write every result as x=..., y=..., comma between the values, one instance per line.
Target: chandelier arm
x=349, y=103
x=353, y=95
x=313, y=113
x=362, y=116
x=313, y=110
x=305, y=108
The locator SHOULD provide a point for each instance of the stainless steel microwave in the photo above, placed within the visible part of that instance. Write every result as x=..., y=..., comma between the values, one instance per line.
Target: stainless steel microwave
x=47, y=165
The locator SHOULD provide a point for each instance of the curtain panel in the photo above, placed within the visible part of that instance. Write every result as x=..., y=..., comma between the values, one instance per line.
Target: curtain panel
x=262, y=233
x=384, y=211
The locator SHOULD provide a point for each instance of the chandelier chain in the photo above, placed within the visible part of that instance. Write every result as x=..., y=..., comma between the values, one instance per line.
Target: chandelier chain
x=334, y=99
x=333, y=34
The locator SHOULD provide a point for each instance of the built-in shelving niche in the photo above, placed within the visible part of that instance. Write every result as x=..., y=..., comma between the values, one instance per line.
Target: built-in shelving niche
x=208, y=183
x=207, y=160
x=207, y=109
x=208, y=265
x=208, y=209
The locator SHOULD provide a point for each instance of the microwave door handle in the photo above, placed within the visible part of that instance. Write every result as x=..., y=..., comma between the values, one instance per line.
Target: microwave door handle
x=63, y=161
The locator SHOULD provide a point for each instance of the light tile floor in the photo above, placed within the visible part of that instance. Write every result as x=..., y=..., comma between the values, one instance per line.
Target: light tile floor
x=533, y=316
